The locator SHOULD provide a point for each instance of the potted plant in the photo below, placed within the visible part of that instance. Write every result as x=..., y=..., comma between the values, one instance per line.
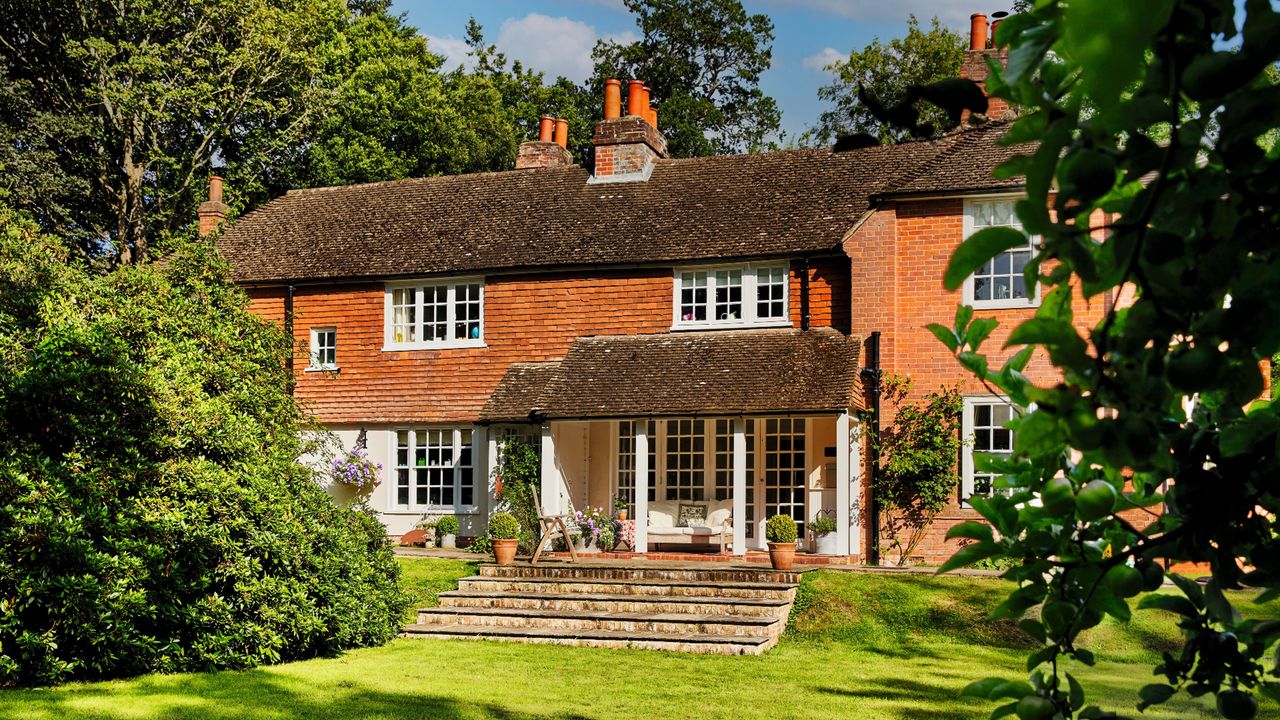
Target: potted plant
x=620, y=508
x=356, y=471
x=428, y=527
x=447, y=531
x=590, y=523
x=504, y=533
x=780, y=532
x=822, y=530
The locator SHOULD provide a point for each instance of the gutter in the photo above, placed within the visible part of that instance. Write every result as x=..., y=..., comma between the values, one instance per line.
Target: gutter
x=872, y=375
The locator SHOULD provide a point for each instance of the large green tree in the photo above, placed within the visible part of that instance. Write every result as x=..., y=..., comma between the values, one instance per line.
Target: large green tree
x=126, y=104
x=703, y=59
x=887, y=71
x=1153, y=188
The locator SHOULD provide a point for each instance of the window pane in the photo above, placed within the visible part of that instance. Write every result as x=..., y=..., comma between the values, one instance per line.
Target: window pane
x=466, y=312
x=991, y=438
x=686, y=460
x=771, y=293
x=728, y=295
x=435, y=312
x=693, y=296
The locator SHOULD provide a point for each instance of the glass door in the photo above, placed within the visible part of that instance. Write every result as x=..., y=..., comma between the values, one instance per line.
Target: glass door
x=783, y=480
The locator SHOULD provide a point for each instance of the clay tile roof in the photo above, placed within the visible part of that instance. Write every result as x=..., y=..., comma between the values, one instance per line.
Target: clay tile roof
x=517, y=393
x=738, y=206
x=966, y=164
x=705, y=373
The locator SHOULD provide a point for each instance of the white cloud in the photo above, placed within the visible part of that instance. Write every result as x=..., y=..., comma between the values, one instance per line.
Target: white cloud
x=952, y=13
x=553, y=45
x=453, y=49
x=819, y=61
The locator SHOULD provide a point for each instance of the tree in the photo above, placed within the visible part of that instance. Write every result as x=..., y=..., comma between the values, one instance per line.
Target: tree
x=154, y=514
x=703, y=60
x=917, y=474
x=1158, y=404
x=887, y=71
x=130, y=102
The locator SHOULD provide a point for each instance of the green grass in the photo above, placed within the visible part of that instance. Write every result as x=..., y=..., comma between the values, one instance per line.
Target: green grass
x=861, y=646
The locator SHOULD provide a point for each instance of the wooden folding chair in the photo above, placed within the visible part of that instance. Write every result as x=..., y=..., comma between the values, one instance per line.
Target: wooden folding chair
x=553, y=526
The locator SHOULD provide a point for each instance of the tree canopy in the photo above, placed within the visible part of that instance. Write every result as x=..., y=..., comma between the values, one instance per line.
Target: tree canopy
x=703, y=60
x=887, y=71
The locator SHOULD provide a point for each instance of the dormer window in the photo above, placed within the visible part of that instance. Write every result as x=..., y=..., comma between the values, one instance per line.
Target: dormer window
x=999, y=283
x=731, y=296
x=434, y=315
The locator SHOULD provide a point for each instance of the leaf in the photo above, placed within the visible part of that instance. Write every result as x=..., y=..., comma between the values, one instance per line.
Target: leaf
x=1190, y=588
x=1034, y=628
x=969, y=555
x=972, y=530
x=1219, y=607
x=1169, y=603
x=1076, y=692
x=1108, y=39
x=1154, y=694
x=945, y=335
x=1044, y=331
x=979, y=330
x=1004, y=710
x=977, y=250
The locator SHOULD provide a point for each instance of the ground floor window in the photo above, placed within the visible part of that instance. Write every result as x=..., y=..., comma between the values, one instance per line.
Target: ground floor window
x=784, y=469
x=434, y=468
x=984, y=425
x=627, y=462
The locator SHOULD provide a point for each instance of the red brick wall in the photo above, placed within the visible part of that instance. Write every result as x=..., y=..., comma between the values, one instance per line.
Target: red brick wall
x=901, y=298
x=526, y=319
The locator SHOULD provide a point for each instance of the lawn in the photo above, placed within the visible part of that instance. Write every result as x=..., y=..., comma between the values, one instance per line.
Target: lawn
x=860, y=646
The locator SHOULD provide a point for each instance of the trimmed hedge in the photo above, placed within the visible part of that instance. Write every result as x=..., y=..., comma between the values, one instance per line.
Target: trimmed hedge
x=154, y=515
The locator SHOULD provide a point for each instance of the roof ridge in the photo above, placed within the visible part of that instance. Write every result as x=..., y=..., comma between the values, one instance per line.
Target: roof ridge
x=424, y=179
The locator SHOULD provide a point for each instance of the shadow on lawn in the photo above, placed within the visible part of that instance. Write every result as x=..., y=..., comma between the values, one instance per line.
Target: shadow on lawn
x=246, y=695
x=910, y=699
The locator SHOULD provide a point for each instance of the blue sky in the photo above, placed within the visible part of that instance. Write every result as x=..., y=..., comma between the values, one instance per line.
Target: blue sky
x=556, y=36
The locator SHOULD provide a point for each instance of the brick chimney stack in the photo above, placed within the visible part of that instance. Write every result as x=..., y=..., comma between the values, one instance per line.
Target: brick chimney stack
x=551, y=147
x=212, y=212
x=627, y=145
x=981, y=47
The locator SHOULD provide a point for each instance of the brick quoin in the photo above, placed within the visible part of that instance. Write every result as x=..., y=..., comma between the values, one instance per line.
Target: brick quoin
x=527, y=318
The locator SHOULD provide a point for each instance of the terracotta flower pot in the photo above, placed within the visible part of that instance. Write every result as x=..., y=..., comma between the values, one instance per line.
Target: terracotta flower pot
x=504, y=550
x=622, y=515
x=782, y=555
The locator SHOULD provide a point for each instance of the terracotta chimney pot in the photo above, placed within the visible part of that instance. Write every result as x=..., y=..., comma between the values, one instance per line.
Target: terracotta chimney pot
x=994, y=25
x=644, y=102
x=612, y=99
x=653, y=117
x=213, y=211
x=545, y=126
x=635, y=89
x=562, y=132
x=215, y=188
x=977, y=31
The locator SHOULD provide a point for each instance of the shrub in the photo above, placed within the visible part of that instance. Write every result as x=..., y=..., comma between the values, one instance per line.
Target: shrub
x=520, y=468
x=154, y=515
x=780, y=529
x=822, y=524
x=447, y=525
x=503, y=526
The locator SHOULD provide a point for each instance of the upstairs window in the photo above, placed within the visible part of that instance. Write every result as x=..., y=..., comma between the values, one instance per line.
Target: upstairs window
x=324, y=349
x=435, y=315
x=999, y=283
x=734, y=296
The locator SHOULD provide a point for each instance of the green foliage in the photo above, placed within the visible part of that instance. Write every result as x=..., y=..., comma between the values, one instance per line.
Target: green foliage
x=481, y=545
x=703, y=59
x=918, y=452
x=821, y=524
x=888, y=71
x=447, y=525
x=1159, y=114
x=780, y=529
x=503, y=526
x=520, y=468
x=154, y=515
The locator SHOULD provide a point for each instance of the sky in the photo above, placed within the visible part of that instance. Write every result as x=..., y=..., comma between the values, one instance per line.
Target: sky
x=556, y=36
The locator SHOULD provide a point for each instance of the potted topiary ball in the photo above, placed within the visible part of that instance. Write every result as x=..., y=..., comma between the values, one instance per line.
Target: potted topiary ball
x=504, y=531
x=780, y=531
x=447, y=531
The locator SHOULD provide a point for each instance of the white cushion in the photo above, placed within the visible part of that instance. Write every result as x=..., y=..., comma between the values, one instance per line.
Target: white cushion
x=718, y=513
x=662, y=514
x=670, y=530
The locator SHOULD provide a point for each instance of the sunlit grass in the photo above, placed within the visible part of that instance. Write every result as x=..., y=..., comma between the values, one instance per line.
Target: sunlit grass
x=861, y=646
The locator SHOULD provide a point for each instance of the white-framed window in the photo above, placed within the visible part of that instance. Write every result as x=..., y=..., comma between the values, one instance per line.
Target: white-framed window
x=324, y=348
x=434, y=469
x=626, y=479
x=983, y=425
x=686, y=460
x=999, y=283
x=434, y=315
x=724, y=458
x=731, y=296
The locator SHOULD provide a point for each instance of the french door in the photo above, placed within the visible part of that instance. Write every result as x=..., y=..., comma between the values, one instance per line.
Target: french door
x=783, y=479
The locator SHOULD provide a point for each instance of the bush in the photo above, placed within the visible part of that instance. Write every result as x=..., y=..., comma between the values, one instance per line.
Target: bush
x=780, y=529
x=822, y=524
x=447, y=525
x=520, y=468
x=503, y=526
x=154, y=515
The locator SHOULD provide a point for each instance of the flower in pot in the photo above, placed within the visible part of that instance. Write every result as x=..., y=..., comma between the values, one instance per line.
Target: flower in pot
x=780, y=531
x=591, y=523
x=620, y=508
x=822, y=529
x=447, y=531
x=504, y=532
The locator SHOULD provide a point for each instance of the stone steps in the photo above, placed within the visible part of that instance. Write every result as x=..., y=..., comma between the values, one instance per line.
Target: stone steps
x=577, y=620
x=645, y=587
x=691, y=642
x=541, y=600
x=730, y=610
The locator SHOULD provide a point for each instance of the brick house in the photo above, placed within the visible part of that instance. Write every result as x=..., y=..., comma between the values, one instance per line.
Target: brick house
x=701, y=323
